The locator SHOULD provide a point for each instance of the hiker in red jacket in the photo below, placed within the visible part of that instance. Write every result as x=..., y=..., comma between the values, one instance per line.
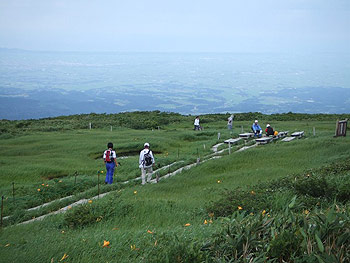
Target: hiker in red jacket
x=110, y=159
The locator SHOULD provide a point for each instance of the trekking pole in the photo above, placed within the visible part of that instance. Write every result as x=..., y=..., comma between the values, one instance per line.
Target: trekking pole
x=75, y=177
x=13, y=191
x=2, y=208
x=98, y=184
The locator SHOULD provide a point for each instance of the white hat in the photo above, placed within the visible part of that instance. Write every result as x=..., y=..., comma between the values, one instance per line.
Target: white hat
x=256, y=121
x=268, y=125
x=146, y=144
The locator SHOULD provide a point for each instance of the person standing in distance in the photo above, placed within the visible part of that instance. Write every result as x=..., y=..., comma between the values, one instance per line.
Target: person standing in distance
x=146, y=162
x=230, y=122
x=110, y=160
x=197, y=127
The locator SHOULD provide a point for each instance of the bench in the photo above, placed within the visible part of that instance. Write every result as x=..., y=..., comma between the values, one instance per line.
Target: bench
x=288, y=139
x=297, y=134
x=246, y=135
x=233, y=141
x=264, y=140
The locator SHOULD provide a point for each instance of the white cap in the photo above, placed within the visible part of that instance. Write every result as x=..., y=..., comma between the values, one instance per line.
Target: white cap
x=146, y=144
x=268, y=125
x=256, y=121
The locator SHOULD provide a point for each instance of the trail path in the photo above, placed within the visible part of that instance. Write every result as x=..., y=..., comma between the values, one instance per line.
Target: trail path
x=212, y=156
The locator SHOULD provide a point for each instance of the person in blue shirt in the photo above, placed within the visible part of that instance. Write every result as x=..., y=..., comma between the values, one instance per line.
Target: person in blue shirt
x=256, y=129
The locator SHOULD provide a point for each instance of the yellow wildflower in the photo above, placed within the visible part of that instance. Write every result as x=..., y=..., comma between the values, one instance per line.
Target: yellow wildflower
x=105, y=243
x=210, y=221
x=42, y=184
x=263, y=212
x=188, y=224
x=252, y=192
x=205, y=222
x=60, y=181
x=211, y=214
x=7, y=245
x=90, y=201
x=38, y=189
x=219, y=181
x=306, y=212
x=69, y=207
x=240, y=208
x=135, y=192
x=149, y=232
x=64, y=257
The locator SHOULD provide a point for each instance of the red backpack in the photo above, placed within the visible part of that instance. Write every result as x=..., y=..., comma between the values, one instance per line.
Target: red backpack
x=109, y=156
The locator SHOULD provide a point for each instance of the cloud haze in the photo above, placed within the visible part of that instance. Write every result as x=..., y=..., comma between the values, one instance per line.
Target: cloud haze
x=155, y=25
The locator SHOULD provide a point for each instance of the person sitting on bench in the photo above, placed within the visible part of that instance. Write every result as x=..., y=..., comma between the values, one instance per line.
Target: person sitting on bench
x=256, y=129
x=269, y=131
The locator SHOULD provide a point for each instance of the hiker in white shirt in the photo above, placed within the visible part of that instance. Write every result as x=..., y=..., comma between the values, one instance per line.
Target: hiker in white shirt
x=230, y=122
x=196, y=124
x=146, y=161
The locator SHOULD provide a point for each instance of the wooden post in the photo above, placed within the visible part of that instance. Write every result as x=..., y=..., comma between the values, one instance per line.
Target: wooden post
x=98, y=184
x=219, y=135
x=13, y=191
x=90, y=125
x=314, y=130
x=198, y=159
x=157, y=177
x=2, y=209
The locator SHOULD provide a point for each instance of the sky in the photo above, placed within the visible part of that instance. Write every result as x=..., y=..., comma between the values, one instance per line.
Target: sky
x=176, y=26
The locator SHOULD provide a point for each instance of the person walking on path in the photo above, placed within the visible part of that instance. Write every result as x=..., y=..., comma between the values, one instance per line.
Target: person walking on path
x=146, y=162
x=230, y=122
x=196, y=124
x=110, y=160
x=257, y=129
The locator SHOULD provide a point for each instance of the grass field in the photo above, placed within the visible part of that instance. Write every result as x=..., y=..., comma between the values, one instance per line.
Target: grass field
x=166, y=222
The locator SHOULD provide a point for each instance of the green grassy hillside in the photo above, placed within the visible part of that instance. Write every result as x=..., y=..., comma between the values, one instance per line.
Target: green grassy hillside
x=184, y=218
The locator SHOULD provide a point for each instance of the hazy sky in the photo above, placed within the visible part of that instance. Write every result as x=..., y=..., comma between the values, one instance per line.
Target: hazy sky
x=176, y=25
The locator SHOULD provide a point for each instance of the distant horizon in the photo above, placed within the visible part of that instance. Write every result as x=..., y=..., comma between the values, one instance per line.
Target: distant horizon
x=181, y=52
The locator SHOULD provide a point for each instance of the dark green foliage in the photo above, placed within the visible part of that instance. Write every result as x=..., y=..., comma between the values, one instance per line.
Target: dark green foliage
x=317, y=187
x=286, y=236
x=145, y=120
x=93, y=212
x=172, y=247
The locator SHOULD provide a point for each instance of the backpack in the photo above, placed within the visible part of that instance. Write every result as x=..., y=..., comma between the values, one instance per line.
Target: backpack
x=148, y=159
x=109, y=156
